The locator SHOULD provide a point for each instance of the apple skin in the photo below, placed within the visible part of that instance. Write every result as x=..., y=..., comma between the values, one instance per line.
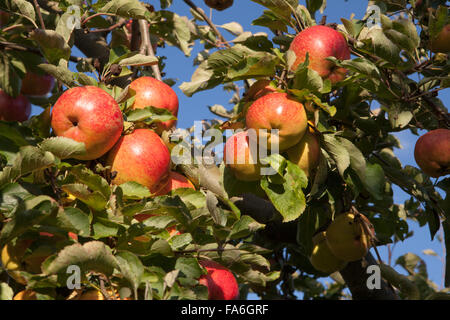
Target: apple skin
x=322, y=258
x=432, y=152
x=25, y=295
x=442, y=41
x=90, y=115
x=237, y=149
x=142, y=157
x=306, y=153
x=37, y=85
x=278, y=111
x=14, y=109
x=259, y=89
x=150, y=92
x=221, y=283
x=176, y=181
x=4, y=18
x=346, y=238
x=321, y=42
x=219, y=4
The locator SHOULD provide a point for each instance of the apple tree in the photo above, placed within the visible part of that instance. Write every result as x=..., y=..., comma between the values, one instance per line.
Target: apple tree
x=93, y=205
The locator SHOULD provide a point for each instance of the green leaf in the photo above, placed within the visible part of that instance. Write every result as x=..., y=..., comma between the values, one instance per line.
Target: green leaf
x=26, y=8
x=134, y=190
x=94, y=181
x=162, y=247
x=244, y=227
x=150, y=115
x=96, y=200
x=60, y=72
x=91, y=256
x=287, y=197
x=53, y=45
x=139, y=60
x=131, y=268
x=63, y=147
x=26, y=214
x=189, y=267
x=338, y=153
x=126, y=8
x=375, y=180
x=75, y=220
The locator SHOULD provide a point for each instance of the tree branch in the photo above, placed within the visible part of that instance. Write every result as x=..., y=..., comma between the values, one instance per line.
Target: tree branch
x=147, y=44
x=208, y=21
x=38, y=10
x=263, y=211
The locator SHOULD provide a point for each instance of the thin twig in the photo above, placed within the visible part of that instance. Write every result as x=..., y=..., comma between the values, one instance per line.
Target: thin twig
x=208, y=21
x=96, y=15
x=38, y=10
x=111, y=28
x=146, y=42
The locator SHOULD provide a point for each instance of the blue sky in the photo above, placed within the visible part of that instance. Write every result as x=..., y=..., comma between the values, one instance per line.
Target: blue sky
x=180, y=68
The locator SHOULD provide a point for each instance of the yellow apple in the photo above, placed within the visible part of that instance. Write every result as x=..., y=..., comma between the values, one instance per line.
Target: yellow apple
x=306, y=153
x=347, y=237
x=322, y=258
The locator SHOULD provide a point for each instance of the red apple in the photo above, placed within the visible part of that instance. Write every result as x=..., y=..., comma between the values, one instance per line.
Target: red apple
x=4, y=18
x=176, y=181
x=150, y=92
x=278, y=111
x=142, y=157
x=219, y=4
x=240, y=155
x=306, y=153
x=90, y=115
x=432, y=152
x=221, y=283
x=14, y=109
x=321, y=42
x=441, y=43
x=259, y=89
x=37, y=85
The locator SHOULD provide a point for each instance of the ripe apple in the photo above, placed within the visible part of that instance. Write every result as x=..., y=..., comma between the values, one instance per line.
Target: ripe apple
x=241, y=157
x=321, y=42
x=221, y=283
x=142, y=157
x=322, y=258
x=16, y=257
x=176, y=181
x=441, y=43
x=25, y=295
x=90, y=115
x=14, y=109
x=432, y=152
x=150, y=92
x=4, y=17
x=278, y=111
x=347, y=238
x=219, y=4
x=306, y=153
x=37, y=85
x=259, y=89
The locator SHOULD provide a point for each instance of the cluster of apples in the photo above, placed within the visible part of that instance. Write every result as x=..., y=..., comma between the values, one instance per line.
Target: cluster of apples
x=268, y=109
x=19, y=108
x=90, y=115
x=347, y=238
